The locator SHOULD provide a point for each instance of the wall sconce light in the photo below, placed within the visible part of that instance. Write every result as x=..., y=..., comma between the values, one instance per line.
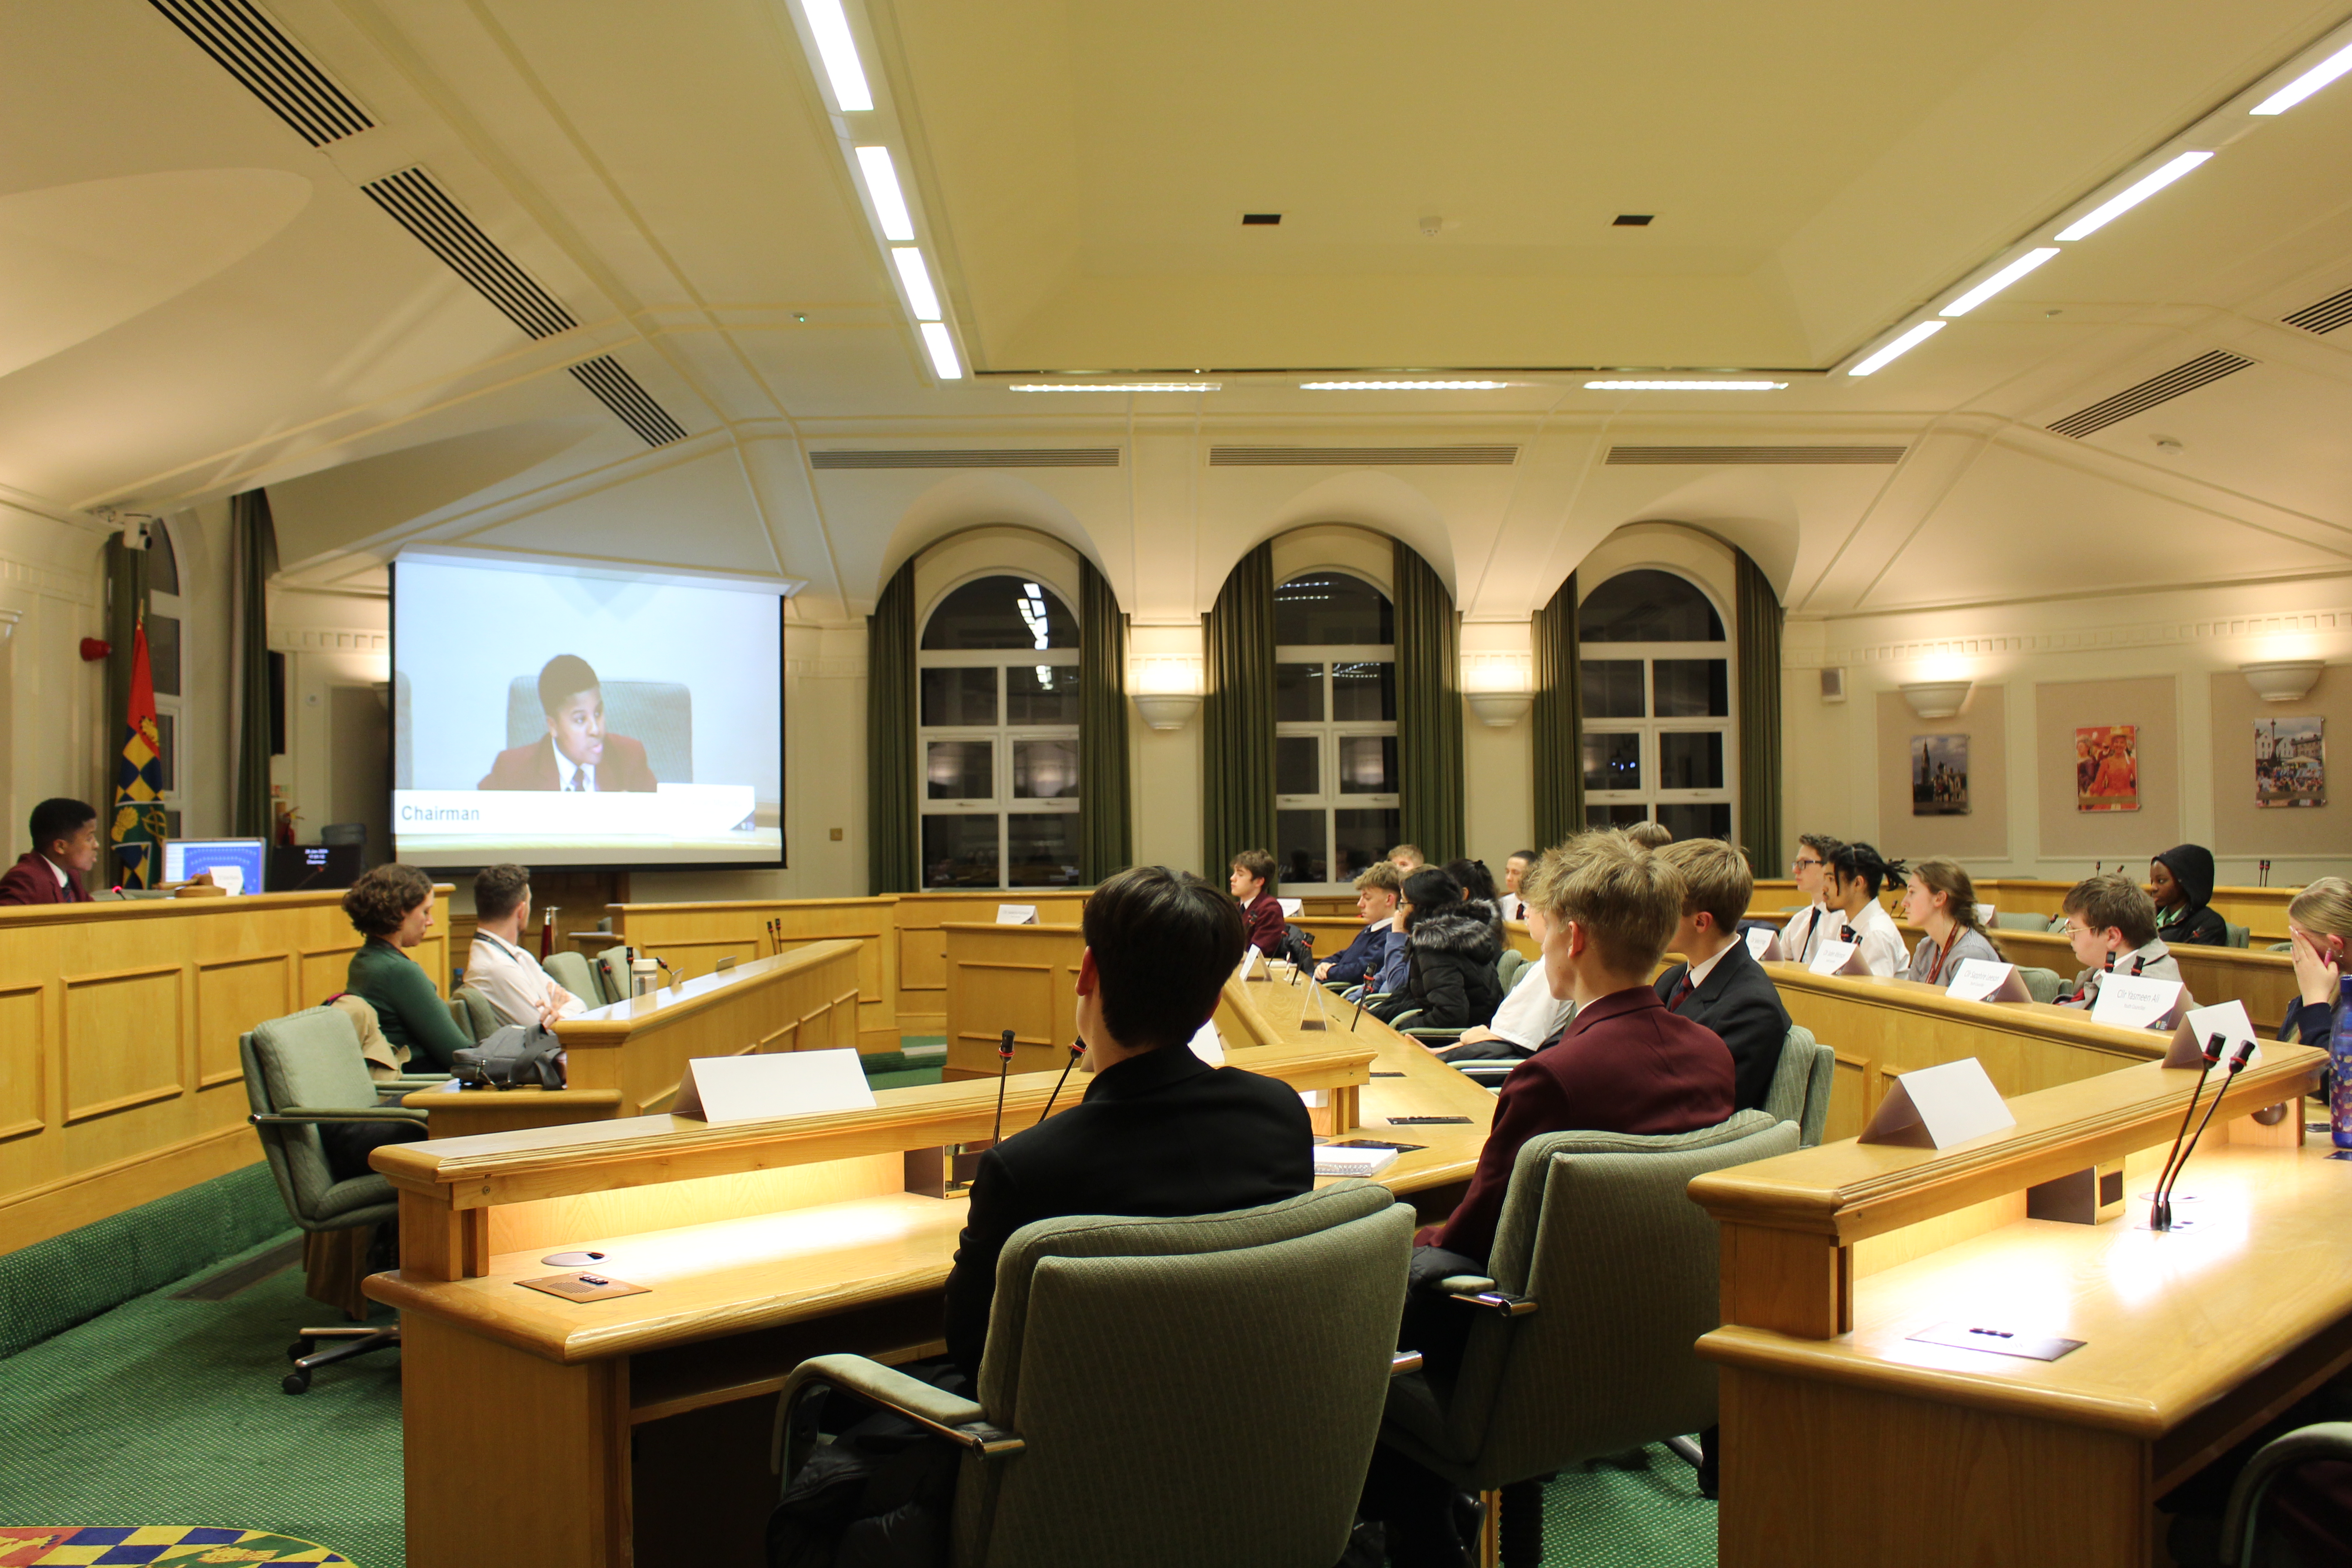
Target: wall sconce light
x=1167, y=710
x=1500, y=708
x=1167, y=692
x=2282, y=679
x=1496, y=684
x=1937, y=699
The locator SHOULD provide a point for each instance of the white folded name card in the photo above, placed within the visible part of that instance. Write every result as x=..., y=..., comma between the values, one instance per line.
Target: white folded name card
x=1763, y=945
x=1935, y=1107
x=1208, y=1045
x=1291, y=907
x=1016, y=914
x=1984, y=914
x=1838, y=958
x=1988, y=980
x=760, y=1088
x=2198, y=1025
x=2136, y=1002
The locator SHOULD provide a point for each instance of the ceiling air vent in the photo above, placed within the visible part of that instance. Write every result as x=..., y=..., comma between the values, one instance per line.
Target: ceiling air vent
x=2323, y=315
x=970, y=457
x=2202, y=371
x=1362, y=456
x=618, y=390
x=248, y=46
x=1722, y=455
x=422, y=208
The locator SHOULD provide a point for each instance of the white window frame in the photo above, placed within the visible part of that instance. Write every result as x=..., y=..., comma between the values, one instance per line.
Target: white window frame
x=1329, y=733
x=175, y=605
x=1652, y=795
x=999, y=802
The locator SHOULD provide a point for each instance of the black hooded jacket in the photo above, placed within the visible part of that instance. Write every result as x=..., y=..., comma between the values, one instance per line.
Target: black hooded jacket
x=2191, y=866
x=1451, y=975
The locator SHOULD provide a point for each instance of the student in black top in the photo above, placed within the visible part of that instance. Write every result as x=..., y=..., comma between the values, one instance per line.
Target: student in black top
x=1721, y=984
x=2181, y=881
x=1159, y=1130
x=1452, y=945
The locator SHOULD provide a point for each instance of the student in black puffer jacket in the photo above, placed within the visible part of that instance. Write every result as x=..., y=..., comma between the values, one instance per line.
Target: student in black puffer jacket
x=1451, y=949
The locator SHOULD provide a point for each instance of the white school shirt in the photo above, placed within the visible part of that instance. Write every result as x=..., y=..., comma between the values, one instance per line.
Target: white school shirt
x=1797, y=948
x=513, y=981
x=564, y=766
x=1531, y=1015
x=1883, y=952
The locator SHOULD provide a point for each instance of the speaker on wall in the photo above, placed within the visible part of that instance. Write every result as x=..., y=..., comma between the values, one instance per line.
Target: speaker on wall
x=1834, y=684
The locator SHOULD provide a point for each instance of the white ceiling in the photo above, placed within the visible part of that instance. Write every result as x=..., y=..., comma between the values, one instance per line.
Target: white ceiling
x=196, y=301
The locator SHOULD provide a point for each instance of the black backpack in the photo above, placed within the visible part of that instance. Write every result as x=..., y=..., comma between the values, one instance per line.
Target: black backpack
x=518, y=1055
x=1297, y=947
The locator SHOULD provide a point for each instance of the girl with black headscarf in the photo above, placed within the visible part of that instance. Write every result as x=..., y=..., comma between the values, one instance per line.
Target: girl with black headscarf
x=2181, y=881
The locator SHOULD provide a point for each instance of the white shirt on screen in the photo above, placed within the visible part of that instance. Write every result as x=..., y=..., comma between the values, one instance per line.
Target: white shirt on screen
x=1530, y=1014
x=565, y=768
x=513, y=981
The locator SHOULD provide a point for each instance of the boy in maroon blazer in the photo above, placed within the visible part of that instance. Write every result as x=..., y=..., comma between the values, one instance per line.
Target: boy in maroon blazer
x=1252, y=882
x=65, y=846
x=578, y=753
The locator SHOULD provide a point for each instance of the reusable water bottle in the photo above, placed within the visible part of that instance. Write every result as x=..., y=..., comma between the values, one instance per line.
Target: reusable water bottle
x=2339, y=1057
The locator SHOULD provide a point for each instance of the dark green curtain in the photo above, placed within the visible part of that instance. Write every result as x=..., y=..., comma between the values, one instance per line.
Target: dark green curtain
x=1559, y=720
x=126, y=602
x=253, y=559
x=1429, y=708
x=1237, y=716
x=894, y=854
x=1759, y=617
x=1105, y=844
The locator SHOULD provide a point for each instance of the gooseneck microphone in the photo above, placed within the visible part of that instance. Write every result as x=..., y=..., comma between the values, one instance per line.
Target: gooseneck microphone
x=2160, y=1202
x=2237, y=1064
x=1004, y=1066
x=1078, y=1049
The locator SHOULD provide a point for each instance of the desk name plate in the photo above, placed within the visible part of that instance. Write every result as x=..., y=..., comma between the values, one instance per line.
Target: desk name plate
x=1960, y=1335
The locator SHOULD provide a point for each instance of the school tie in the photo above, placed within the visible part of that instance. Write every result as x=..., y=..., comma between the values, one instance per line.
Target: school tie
x=578, y=780
x=1682, y=993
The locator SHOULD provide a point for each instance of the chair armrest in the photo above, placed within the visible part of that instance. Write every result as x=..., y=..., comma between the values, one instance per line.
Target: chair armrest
x=1432, y=1035
x=300, y=1116
x=2326, y=1440
x=1477, y=1291
x=1403, y=1361
x=962, y=1420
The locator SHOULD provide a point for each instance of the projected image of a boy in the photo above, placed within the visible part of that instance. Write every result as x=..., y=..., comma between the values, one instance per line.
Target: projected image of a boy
x=579, y=752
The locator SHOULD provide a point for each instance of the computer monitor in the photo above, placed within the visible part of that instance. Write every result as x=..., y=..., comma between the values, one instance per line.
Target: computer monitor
x=186, y=858
x=307, y=867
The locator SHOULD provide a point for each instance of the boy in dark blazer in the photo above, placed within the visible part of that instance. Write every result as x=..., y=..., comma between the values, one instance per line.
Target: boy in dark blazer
x=1376, y=901
x=1721, y=984
x=1159, y=1131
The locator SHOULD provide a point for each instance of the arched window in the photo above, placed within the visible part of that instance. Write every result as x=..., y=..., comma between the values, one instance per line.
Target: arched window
x=998, y=667
x=1335, y=707
x=1658, y=737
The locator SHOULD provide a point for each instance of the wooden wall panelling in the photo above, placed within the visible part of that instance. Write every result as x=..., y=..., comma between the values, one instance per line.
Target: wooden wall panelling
x=24, y=1054
x=1022, y=978
x=124, y=1039
x=920, y=919
x=231, y=994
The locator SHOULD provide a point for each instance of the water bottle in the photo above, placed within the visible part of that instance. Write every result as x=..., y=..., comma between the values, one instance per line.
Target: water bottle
x=2339, y=1060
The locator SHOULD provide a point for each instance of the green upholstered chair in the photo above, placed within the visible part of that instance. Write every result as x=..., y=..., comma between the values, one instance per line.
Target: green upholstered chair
x=2238, y=936
x=574, y=973
x=302, y=1071
x=612, y=973
x=1800, y=1084
x=473, y=1013
x=1507, y=967
x=1172, y=1392
x=1602, y=1277
x=2243, y=1544
x=2041, y=984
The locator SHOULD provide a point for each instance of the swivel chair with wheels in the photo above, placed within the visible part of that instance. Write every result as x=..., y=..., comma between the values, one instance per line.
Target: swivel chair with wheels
x=302, y=1072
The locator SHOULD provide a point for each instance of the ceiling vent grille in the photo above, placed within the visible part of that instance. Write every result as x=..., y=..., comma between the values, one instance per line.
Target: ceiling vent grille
x=248, y=46
x=2202, y=371
x=2325, y=315
x=1362, y=456
x=421, y=207
x=970, y=457
x=1750, y=456
x=618, y=390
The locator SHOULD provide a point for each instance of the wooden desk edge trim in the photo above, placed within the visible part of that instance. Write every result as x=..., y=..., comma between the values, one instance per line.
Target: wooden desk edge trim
x=608, y=1034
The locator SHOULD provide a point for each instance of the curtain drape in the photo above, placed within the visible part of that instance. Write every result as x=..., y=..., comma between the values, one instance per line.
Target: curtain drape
x=252, y=558
x=1237, y=716
x=1559, y=720
x=1759, y=617
x=1104, y=841
x=126, y=602
x=894, y=859
x=1429, y=708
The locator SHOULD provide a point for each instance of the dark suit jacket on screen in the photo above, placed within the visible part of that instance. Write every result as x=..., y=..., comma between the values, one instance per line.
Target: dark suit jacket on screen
x=533, y=767
x=1159, y=1135
x=1738, y=1001
x=30, y=881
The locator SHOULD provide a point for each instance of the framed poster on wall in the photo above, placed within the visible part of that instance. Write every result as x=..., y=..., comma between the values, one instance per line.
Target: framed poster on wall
x=2106, y=768
x=2291, y=762
x=1939, y=775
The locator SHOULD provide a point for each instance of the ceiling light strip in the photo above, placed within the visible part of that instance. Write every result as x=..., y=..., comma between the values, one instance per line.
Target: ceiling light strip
x=1900, y=346
x=922, y=298
x=1115, y=386
x=942, y=344
x=2309, y=82
x=2106, y=212
x=1403, y=385
x=1685, y=386
x=1999, y=280
x=882, y=186
x=837, y=48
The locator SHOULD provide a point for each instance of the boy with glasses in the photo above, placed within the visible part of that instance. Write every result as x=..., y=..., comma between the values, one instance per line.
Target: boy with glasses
x=2110, y=921
x=1811, y=925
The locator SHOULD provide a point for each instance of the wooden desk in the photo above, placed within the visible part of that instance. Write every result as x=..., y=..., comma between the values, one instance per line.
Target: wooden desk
x=1022, y=978
x=1882, y=1026
x=2263, y=981
x=1834, y=1257
x=646, y=1417
x=118, y=1023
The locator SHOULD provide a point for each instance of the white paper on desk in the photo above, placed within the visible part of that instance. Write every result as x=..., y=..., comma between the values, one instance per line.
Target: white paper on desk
x=229, y=879
x=1988, y=980
x=1365, y=1162
x=1935, y=1107
x=1838, y=958
x=1208, y=1045
x=2227, y=1019
x=1016, y=914
x=1292, y=908
x=2136, y=1002
x=1764, y=945
x=758, y=1088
